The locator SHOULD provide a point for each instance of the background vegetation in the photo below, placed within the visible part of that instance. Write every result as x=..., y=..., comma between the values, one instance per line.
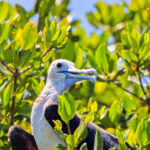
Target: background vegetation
x=120, y=99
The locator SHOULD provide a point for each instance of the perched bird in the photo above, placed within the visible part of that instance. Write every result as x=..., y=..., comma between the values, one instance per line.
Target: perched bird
x=62, y=75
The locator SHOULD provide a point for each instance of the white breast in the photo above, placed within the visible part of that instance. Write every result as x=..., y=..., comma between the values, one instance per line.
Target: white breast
x=44, y=134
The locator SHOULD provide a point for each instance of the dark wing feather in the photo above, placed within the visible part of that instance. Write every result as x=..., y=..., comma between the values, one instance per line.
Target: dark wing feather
x=21, y=140
x=51, y=113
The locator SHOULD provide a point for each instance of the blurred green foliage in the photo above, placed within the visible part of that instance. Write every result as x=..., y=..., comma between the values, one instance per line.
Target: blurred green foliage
x=120, y=99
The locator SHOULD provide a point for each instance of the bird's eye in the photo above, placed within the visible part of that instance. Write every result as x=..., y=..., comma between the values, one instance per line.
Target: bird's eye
x=59, y=65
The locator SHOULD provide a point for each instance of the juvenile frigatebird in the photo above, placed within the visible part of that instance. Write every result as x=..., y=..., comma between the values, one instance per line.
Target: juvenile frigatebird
x=62, y=75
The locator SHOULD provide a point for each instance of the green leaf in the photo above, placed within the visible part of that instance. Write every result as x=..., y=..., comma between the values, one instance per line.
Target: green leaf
x=147, y=38
x=21, y=11
x=94, y=21
x=143, y=132
x=91, y=59
x=2, y=46
x=62, y=39
x=29, y=36
x=55, y=38
x=45, y=7
x=4, y=70
x=144, y=51
x=103, y=112
x=89, y=118
x=25, y=56
x=120, y=135
x=148, y=2
x=94, y=107
x=4, y=9
x=58, y=129
x=127, y=103
x=147, y=30
x=125, y=39
x=5, y=32
x=122, y=147
x=53, y=27
x=134, y=38
x=70, y=142
x=66, y=107
x=1, y=133
x=23, y=14
x=113, y=63
x=69, y=51
x=63, y=22
x=8, y=93
x=98, y=143
x=12, y=56
x=1, y=143
x=134, y=123
x=115, y=112
x=79, y=57
x=47, y=33
x=60, y=147
x=7, y=11
x=58, y=125
x=102, y=57
x=83, y=146
x=36, y=86
x=80, y=133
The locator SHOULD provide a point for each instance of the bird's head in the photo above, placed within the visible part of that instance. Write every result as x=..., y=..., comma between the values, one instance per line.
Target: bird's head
x=64, y=72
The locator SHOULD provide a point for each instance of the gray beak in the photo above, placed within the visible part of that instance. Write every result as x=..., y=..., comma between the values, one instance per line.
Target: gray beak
x=84, y=74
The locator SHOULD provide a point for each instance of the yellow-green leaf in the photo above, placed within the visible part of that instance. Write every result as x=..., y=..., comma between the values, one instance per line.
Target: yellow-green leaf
x=66, y=107
x=143, y=132
x=29, y=36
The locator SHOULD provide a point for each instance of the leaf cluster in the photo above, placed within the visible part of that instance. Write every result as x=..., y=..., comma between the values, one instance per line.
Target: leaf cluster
x=120, y=99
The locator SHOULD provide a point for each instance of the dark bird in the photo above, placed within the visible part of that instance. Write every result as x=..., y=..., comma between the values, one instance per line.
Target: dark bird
x=62, y=75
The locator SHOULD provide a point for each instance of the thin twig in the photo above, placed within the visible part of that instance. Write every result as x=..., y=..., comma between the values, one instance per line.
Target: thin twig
x=112, y=81
x=68, y=128
x=8, y=67
x=14, y=97
x=39, y=19
x=25, y=70
x=49, y=49
x=141, y=81
x=139, y=76
x=38, y=23
x=129, y=92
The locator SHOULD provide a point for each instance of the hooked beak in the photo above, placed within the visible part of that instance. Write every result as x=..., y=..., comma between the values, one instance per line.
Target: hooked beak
x=79, y=75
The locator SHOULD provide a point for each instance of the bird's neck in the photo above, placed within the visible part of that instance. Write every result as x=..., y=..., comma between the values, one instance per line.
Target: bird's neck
x=52, y=89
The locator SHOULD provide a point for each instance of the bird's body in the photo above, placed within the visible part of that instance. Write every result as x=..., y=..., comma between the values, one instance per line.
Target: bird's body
x=61, y=76
x=44, y=134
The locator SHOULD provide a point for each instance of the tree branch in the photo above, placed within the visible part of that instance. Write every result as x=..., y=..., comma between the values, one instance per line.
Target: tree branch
x=25, y=70
x=112, y=81
x=38, y=23
x=139, y=76
x=49, y=49
x=39, y=19
x=14, y=97
x=8, y=67
x=129, y=91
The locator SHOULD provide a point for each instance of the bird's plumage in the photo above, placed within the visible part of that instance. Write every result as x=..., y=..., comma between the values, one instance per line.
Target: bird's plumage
x=21, y=140
x=62, y=75
x=51, y=113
